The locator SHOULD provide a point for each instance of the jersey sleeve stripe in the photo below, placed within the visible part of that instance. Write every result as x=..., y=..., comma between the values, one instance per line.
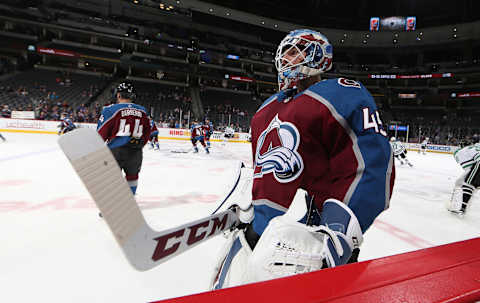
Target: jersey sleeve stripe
x=369, y=192
x=353, y=137
x=388, y=180
x=269, y=204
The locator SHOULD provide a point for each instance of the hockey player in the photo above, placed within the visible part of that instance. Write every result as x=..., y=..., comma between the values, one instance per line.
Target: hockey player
x=399, y=151
x=423, y=146
x=322, y=136
x=228, y=133
x=469, y=159
x=249, y=136
x=197, y=135
x=65, y=125
x=154, y=135
x=208, y=131
x=125, y=127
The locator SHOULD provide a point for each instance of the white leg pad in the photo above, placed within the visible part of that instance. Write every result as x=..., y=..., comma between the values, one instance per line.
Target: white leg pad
x=231, y=268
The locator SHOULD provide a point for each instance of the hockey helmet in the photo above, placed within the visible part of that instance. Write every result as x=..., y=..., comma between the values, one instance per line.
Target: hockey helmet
x=125, y=90
x=392, y=139
x=301, y=54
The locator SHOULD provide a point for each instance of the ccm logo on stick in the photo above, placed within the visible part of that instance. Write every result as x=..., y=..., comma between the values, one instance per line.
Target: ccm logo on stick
x=188, y=236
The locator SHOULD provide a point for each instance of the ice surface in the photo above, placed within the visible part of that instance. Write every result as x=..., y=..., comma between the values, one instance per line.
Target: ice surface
x=55, y=248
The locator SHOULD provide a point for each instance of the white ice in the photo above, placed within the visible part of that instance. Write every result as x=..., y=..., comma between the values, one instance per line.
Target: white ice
x=55, y=248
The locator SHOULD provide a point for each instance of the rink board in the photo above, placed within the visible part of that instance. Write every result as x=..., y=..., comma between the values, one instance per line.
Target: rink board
x=447, y=273
x=51, y=127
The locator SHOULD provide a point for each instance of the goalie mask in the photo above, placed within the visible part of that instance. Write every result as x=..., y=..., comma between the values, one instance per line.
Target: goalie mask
x=301, y=54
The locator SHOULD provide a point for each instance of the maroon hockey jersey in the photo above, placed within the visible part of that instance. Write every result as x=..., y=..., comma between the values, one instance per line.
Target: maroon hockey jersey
x=328, y=140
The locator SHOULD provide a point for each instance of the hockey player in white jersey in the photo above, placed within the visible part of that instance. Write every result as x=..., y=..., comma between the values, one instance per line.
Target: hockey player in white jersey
x=423, y=146
x=399, y=151
x=228, y=133
x=469, y=158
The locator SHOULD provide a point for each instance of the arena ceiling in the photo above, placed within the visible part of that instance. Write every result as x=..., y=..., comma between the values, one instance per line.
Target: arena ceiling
x=355, y=15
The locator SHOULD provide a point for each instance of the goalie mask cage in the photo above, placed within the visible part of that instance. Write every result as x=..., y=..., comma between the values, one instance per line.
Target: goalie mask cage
x=446, y=273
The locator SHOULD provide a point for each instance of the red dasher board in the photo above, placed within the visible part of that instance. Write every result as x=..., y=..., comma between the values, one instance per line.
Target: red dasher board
x=447, y=273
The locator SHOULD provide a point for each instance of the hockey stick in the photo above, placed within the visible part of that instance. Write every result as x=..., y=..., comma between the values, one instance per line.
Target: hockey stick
x=144, y=247
x=181, y=151
x=237, y=180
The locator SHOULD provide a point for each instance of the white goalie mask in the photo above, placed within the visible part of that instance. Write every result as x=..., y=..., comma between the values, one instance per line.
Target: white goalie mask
x=301, y=54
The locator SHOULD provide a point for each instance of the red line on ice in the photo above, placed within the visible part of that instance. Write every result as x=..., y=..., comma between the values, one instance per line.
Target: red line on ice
x=79, y=202
x=14, y=182
x=402, y=234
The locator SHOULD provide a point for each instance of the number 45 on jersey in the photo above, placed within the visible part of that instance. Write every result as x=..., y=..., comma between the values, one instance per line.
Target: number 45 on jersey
x=372, y=120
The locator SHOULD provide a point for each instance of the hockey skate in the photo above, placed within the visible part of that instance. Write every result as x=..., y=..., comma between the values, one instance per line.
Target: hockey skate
x=460, y=213
x=456, y=205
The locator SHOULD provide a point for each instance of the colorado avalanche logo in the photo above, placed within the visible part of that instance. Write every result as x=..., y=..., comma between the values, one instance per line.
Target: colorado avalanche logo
x=277, y=152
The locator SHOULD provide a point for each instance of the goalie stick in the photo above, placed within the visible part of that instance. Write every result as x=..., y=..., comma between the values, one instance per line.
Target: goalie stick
x=144, y=247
